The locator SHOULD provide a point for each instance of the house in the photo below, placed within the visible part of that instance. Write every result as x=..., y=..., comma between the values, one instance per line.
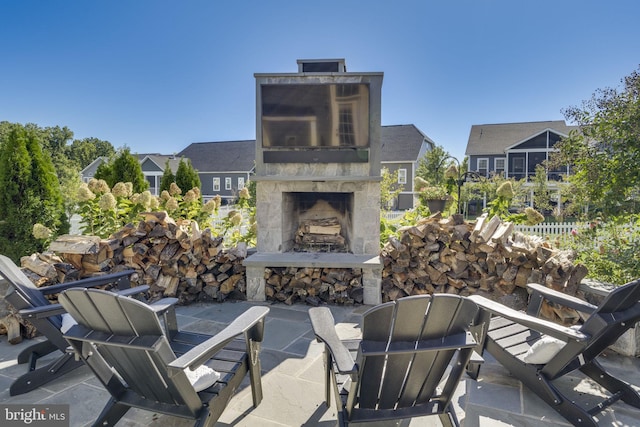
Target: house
x=402, y=148
x=224, y=167
x=515, y=149
x=152, y=166
x=90, y=171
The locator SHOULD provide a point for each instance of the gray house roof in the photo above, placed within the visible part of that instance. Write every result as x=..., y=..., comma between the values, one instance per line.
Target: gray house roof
x=222, y=156
x=402, y=143
x=161, y=159
x=495, y=138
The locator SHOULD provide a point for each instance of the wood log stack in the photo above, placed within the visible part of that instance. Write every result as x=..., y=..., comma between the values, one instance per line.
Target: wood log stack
x=320, y=235
x=314, y=285
x=439, y=255
x=174, y=259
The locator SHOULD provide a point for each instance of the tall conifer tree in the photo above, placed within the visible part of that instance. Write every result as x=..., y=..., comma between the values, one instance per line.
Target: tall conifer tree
x=30, y=194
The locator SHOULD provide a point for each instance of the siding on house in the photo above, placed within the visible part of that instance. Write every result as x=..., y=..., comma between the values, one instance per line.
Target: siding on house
x=402, y=148
x=518, y=147
x=221, y=162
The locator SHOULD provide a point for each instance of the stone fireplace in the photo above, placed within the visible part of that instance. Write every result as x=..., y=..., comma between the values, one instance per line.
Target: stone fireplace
x=317, y=173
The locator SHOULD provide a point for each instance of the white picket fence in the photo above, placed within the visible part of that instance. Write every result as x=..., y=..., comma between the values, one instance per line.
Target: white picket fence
x=550, y=228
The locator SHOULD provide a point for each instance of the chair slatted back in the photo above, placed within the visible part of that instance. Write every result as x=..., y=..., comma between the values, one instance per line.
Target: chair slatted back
x=25, y=288
x=613, y=317
x=409, y=377
x=118, y=324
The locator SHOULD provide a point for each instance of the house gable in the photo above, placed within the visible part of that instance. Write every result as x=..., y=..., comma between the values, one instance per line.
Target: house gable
x=542, y=140
x=148, y=165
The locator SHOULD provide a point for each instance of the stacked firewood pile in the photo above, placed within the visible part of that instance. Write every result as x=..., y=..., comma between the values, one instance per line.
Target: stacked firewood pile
x=314, y=285
x=450, y=255
x=320, y=235
x=174, y=259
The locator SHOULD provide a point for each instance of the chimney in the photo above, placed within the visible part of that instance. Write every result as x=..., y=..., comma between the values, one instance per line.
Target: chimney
x=321, y=66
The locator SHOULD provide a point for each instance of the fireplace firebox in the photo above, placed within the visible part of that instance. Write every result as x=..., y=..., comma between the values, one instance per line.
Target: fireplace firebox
x=318, y=222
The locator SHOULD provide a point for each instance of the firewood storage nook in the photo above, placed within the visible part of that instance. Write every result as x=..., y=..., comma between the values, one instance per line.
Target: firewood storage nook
x=317, y=173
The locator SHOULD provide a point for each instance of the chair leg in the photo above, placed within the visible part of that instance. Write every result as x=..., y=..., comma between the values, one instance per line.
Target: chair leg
x=255, y=375
x=111, y=413
x=206, y=419
x=35, y=351
x=35, y=378
x=597, y=372
x=449, y=418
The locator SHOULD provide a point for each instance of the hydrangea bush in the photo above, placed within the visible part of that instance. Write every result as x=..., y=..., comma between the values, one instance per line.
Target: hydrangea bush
x=105, y=211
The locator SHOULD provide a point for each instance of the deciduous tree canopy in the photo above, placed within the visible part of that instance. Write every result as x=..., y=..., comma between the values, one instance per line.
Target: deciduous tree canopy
x=605, y=152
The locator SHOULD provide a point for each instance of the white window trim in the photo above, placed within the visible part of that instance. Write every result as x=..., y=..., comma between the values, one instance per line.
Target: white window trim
x=402, y=176
x=484, y=160
x=240, y=182
x=227, y=183
x=216, y=184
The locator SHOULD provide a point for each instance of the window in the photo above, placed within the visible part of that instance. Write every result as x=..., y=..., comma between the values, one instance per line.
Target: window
x=518, y=165
x=483, y=167
x=499, y=165
x=240, y=183
x=402, y=176
x=346, y=131
x=216, y=184
x=227, y=183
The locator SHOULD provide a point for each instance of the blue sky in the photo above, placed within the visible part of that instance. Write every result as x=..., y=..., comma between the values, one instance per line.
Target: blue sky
x=158, y=75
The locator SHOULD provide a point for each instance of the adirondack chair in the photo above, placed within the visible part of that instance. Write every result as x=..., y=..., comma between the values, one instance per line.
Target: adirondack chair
x=122, y=341
x=408, y=348
x=47, y=318
x=539, y=352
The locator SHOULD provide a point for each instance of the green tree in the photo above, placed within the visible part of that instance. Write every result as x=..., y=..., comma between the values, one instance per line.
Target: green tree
x=31, y=193
x=124, y=167
x=167, y=178
x=605, y=151
x=84, y=151
x=389, y=188
x=432, y=166
x=186, y=176
x=541, y=193
x=104, y=171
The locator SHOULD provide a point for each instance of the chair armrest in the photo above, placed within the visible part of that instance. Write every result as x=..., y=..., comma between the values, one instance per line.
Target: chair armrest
x=540, y=291
x=91, y=282
x=324, y=329
x=203, y=352
x=532, y=322
x=56, y=309
x=162, y=305
x=42, y=312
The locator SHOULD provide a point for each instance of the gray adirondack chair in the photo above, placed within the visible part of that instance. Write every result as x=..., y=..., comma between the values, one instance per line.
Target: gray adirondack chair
x=32, y=304
x=511, y=334
x=408, y=348
x=143, y=366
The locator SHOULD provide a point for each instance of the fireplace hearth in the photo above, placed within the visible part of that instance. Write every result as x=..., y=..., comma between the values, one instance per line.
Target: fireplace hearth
x=317, y=173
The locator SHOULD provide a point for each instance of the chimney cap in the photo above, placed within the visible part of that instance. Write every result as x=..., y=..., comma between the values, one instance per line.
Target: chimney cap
x=322, y=65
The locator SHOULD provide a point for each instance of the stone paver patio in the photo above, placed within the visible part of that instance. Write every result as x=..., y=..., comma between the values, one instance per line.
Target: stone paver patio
x=293, y=381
